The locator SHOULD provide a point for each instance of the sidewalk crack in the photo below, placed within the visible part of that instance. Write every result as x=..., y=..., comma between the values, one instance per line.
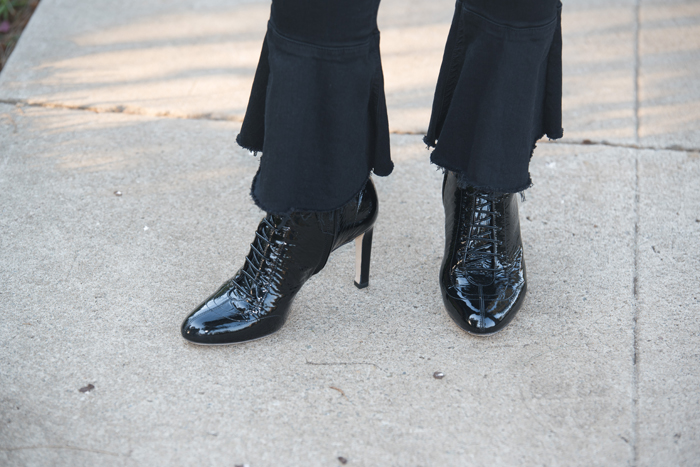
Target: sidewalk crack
x=637, y=28
x=588, y=142
x=635, y=327
x=129, y=110
x=124, y=109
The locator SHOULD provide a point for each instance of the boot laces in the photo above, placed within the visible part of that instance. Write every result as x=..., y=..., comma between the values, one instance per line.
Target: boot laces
x=481, y=239
x=253, y=275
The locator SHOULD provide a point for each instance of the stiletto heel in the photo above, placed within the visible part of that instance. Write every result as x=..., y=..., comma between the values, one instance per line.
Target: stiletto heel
x=363, y=252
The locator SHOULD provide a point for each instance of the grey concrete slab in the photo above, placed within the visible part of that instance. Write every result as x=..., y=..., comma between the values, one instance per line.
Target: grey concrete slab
x=171, y=58
x=94, y=287
x=413, y=35
x=669, y=308
x=180, y=59
x=184, y=60
x=599, y=70
x=669, y=74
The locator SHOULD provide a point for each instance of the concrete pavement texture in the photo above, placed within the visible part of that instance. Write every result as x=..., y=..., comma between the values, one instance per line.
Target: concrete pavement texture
x=631, y=67
x=116, y=219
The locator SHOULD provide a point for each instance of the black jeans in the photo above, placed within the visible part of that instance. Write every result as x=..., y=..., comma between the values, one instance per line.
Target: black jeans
x=317, y=110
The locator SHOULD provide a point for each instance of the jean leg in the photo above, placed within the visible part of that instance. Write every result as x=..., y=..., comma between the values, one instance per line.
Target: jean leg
x=317, y=110
x=326, y=22
x=499, y=90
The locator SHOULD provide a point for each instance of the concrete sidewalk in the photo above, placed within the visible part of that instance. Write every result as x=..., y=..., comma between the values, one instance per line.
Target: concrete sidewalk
x=601, y=367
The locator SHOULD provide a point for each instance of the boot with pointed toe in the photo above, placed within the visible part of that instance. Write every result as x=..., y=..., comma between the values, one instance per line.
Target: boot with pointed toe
x=286, y=252
x=482, y=278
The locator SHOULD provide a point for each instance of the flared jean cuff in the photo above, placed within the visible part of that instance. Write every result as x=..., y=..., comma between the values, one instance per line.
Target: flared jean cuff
x=318, y=115
x=498, y=92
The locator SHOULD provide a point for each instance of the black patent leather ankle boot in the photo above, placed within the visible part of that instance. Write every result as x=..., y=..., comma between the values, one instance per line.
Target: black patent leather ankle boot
x=286, y=252
x=483, y=272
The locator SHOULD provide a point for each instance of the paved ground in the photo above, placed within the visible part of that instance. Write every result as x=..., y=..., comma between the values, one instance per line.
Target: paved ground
x=601, y=367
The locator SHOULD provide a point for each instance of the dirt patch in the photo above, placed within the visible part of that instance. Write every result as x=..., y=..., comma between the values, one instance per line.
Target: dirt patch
x=14, y=16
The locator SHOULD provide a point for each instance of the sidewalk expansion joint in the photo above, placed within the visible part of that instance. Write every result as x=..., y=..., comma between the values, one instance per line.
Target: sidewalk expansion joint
x=588, y=142
x=637, y=28
x=128, y=110
x=123, y=109
x=635, y=317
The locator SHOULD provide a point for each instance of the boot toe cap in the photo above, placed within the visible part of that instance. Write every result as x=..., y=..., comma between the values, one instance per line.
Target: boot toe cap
x=482, y=314
x=217, y=322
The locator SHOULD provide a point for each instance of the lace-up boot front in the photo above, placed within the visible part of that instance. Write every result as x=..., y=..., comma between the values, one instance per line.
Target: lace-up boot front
x=285, y=253
x=482, y=278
